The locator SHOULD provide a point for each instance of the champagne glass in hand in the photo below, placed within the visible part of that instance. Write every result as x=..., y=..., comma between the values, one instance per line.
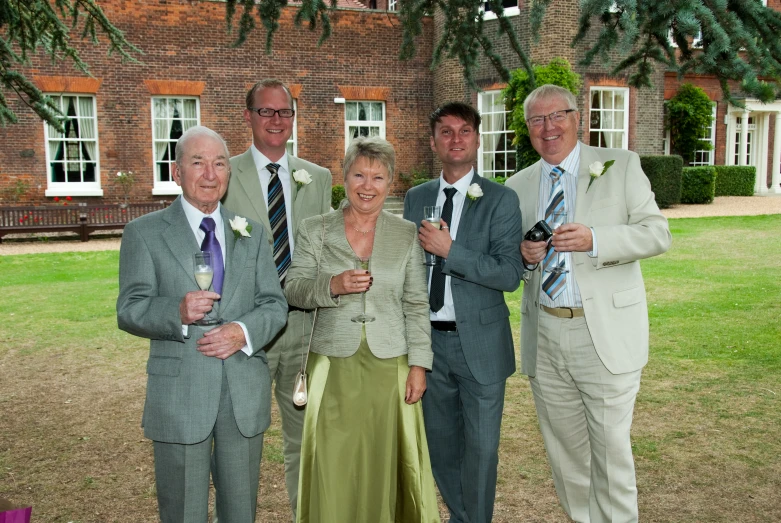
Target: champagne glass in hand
x=204, y=274
x=432, y=214
x=363, y=265
x=560, y=266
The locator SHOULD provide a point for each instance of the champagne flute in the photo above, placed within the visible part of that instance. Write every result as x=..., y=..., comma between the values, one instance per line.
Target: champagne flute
x=362, y=264
x=432, y=214
x=204, y=274
x=560, y=267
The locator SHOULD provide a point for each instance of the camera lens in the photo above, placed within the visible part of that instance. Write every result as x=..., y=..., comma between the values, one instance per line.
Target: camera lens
x=535, y=235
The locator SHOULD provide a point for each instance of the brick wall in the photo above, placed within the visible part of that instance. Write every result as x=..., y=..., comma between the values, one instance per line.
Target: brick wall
x=186, y=41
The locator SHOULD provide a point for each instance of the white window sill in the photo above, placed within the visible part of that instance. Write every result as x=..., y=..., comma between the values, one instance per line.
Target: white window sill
x=167, y=190
x=76, y=191
x=508, y=12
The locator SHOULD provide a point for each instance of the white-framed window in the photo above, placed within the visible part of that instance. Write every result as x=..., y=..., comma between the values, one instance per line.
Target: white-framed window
x=496, y=156
x=393, y=5
x=703, y=157
x=510, y=9
x=363, y=119
x=609, y=117
x=171, y=117
x=73, y=156
x=292, y=142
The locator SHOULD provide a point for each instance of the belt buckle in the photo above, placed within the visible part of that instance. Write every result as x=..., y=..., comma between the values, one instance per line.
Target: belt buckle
x=568, y=309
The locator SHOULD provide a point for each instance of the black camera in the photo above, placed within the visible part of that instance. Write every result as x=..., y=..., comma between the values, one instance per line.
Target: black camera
x=541, y=232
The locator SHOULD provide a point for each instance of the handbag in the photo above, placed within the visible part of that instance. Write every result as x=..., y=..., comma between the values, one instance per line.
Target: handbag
x=300, y=393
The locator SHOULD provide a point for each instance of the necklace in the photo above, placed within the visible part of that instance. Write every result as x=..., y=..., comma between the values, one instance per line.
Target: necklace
x=356, y=229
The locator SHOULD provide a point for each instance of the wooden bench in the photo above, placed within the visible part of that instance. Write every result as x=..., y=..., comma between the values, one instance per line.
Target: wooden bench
x=80, y=219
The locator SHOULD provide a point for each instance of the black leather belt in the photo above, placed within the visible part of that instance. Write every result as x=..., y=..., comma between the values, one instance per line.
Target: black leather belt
x=447, y=326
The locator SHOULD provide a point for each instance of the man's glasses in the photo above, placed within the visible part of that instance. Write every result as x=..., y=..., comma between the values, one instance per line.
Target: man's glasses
x=555, y=117
x=267, y=112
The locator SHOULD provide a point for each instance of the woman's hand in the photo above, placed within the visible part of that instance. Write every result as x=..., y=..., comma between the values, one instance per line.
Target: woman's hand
x=351, y=282
x=416, y=384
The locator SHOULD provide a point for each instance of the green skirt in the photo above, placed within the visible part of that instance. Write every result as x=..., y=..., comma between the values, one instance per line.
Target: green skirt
x=364, y=455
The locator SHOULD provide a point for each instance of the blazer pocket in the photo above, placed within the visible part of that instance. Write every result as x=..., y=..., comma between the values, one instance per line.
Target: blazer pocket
x=628, y=297
x=493, y=314
x=163, y=366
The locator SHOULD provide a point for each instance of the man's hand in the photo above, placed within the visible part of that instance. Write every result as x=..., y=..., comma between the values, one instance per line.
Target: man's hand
x=433, y=240
x=533, y=252
x=195, y=305
x=222, y=342
x=572, y=237
x=416, y=384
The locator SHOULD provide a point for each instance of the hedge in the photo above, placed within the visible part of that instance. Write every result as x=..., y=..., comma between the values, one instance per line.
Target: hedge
x=698, y=184
x=337, y=195
x=734, y=180
x=664, y=173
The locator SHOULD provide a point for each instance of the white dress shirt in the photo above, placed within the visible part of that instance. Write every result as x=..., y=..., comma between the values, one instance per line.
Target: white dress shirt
x=448, y=310
x=261, y=161
x=194, y=218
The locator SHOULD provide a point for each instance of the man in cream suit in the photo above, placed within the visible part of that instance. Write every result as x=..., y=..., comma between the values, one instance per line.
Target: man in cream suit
x=584, y=332
x=279, y=190
x=208, y=398
x=470, y=328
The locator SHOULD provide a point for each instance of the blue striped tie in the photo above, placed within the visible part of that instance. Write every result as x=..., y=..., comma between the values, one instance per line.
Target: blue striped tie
x=277, y=217
x=554, y=283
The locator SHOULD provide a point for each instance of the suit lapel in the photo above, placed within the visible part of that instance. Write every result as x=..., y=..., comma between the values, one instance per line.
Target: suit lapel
x=250, y=183
x=180, y=238
x=293, y=164
x=236, y=254
x=585, y=196
x=469, y=207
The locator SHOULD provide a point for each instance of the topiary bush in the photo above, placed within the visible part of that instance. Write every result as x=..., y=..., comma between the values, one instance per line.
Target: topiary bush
x=337, y=195
x=664, y=173
x=688, y=118
x=698, y=184
x=735, y=180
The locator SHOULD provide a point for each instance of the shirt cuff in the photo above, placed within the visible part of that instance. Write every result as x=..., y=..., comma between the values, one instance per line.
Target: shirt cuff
x=184, y=331
x=594, y=251
x=246, y=349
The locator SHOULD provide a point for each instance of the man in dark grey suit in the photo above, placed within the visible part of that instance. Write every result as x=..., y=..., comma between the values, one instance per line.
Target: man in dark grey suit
x=471, y=335
x=208, y=391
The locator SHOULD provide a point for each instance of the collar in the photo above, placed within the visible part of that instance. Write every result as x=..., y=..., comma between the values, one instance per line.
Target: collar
x=569, y=164
x=261, y=161
x=462, y=185
x=194, y=216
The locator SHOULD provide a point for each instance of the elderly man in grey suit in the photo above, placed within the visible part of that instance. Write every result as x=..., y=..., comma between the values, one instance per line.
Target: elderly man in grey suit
x=584, y=331
x=470, y=328
x=279, y=190
x=208, y=396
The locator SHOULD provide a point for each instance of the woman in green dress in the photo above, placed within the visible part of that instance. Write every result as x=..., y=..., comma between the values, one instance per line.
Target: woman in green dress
x=364, y=455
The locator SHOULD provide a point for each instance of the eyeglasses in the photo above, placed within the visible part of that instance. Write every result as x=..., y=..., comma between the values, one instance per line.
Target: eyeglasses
x=555, y=117
x=267, y=112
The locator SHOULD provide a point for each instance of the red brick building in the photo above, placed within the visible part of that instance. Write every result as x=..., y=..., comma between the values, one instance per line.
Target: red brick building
x=127, y=116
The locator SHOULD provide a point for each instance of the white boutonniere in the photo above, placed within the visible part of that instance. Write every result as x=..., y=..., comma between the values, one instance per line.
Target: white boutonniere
x=597, y=169
x=473, y=193
x=301, y=177
x=240, y=227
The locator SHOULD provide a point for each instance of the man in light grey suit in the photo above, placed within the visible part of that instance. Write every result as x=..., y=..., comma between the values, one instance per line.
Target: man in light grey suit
x=208, y=398
x=584, y=332
x=471, y=335
x=279, y=190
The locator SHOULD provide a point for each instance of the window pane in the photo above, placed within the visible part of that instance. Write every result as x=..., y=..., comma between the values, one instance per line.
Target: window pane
x=350, y=110
x=160, y=108
x=619, y=99
x=497, y=156
x=607, y=100
x=362, y=111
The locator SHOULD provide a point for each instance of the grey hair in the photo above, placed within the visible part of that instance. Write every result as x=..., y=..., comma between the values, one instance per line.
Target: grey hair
x=549, y=91
x=373, y=149
x=193, y=132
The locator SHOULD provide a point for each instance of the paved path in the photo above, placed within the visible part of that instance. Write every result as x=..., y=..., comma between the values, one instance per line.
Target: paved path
x=721, y=206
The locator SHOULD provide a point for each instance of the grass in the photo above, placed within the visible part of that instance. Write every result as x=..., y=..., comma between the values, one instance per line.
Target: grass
x=705, y=436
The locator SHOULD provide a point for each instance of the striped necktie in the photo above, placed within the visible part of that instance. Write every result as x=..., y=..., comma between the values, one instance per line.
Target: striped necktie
x=554, y=283
x=277, y=217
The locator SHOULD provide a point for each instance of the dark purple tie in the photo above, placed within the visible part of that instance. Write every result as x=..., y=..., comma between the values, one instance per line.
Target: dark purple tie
x=210, y=244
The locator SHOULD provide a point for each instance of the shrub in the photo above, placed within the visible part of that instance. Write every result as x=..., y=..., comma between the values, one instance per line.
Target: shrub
x=689, y=117
x=664, y=173
x=499, y=179
x=698, y=184
x=734, y=180
x=415, y=177
x=337, y=195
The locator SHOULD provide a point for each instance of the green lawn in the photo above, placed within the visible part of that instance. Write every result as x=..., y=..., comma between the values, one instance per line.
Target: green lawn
x=706, y=430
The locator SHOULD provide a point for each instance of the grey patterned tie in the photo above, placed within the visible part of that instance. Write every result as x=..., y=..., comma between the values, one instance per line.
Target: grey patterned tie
x=554, y=283
x=277, y=217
